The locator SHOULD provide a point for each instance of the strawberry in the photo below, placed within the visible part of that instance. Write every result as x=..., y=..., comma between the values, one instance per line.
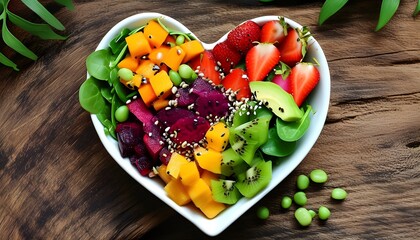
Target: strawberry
x=206, y=65
x=293, y=48
x=237, y=80
x=274, y=31
x=260, y=60
x=303, y=79
x=227, y=56
x=243, y=36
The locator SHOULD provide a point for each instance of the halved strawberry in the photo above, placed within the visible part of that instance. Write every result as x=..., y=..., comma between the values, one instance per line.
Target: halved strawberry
x=227, y=56
x=293, y=48
x=260, y=60
x=303, y=79
x=242, y=37
x=274, y=31
x=206, y=65
x=237, y=80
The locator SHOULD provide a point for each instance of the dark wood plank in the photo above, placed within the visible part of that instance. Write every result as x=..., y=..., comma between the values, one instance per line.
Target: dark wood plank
x=58, y=182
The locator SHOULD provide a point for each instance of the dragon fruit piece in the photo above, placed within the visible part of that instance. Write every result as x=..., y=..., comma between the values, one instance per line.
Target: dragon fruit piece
x=167, y=118
x=185, y=97
x=201, y=86
x=152, y=138
x=165, y=156
x=142, y=163
x=212, y=104
x=283, y=83
x=139, y=109
x=129, y=134
x=189, y=129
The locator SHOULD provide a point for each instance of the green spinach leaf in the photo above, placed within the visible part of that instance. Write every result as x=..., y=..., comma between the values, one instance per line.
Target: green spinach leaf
x=293, y=131
x=97, y=64
x=277, y=147
x=90, y=96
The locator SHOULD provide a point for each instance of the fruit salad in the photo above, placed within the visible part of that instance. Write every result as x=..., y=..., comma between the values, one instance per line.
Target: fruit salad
x=210, y=123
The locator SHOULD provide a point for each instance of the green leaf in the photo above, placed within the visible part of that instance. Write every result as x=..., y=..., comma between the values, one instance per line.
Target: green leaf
x=293, y=131
x=277, y=147
x=66, y=3
x=90, y=96
x=44, y=14
x=329, y=8
x=7, y=62
x=42, y=31
x=417, y=10
x=15, y=43
x=388, y=9
x=97, y=64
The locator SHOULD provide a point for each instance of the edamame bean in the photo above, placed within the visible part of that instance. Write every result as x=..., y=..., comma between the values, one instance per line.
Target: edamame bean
x=323, y=213
x=175, y=78
x=185, y=71
x=180, y=40
x=312, y=212
x=303, y=216
x=318, y=176
x=286, y=202
x=121, y=114
x=338, y=194
x=300, y=198
x=125, y=74
x=302, y=182
x=263, y=213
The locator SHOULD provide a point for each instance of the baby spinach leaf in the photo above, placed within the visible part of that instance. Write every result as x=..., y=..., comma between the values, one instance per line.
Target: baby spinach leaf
x=97, y=64
x=118, y=43
x=90, y=96
x=293, y=131
x=275, y=146
x=44, y=14
x=106, y=93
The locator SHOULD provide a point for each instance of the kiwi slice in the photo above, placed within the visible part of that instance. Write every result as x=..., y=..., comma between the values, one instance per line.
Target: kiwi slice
x=250, y=111
x=256, y=178
x=230, y=161
x=224, y=191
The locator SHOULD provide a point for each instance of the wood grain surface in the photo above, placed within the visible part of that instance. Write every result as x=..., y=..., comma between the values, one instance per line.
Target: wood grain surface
x=58, y=182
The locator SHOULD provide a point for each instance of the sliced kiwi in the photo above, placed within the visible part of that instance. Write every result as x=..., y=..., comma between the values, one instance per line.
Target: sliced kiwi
x=256, y=178
x=245, y=148
x=248, y=112
x=224, y=191
x=230, y=161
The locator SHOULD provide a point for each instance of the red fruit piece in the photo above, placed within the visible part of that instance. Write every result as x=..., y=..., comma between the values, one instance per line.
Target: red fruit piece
x=212, y=104
x=129, y=134
x=303, y=79
x=294, y=46
x=189, y=129
x=167, y=117
x=165, y=156
x=274, y=31
x=139, y=109
x=206, y=65
x=201, y=86
x=227, y=57
x=242, y=37
x=281, y=77
x=152, y=138
x=260, y=60
x=238, y=82
x=143, y=164
x=185, y=98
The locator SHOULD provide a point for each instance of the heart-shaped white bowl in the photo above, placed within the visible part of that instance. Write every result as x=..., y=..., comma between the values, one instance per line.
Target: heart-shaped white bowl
x=319, y=100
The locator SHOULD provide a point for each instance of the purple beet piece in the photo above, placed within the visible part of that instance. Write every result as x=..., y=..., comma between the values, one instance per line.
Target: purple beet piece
x=185, y=97
x=165, y=155
x=214, y=103
x=139, y=109
x=143, y=164
x=129, y=134
x=167, y=118
x=189, y=129
x=152, y=139
x=140, y=149
x=201, y=86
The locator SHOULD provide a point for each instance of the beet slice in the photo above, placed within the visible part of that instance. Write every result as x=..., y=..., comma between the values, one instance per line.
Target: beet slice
x=201, y=86
x=152, y=138
x=212, y=104
x=189, y=129
x=167, y=118
x=139, y=109
x=129, y=134
x=185, y=97
x=165, y=156
x=143, y=164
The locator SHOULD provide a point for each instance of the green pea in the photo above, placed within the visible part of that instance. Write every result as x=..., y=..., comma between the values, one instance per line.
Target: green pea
x=300, y=198
x=180, y=40
x=121, y=114
x=302, y=182
x=263, y=213
x=318, y=176
x=125, y=74
x=175, y=78
x=303, y=216
x=338, y=194
x=185, y=71
x=286, y=202
x=312, y=212
x=323, y=213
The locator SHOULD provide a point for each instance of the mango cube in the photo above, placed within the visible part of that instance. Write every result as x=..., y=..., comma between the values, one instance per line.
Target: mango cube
x=175, y=163
x=200, y=193
x=177, y=192
x=161, y=84
x=212, y=208
x=188, y=173
x=218, y=137
x=208, y=159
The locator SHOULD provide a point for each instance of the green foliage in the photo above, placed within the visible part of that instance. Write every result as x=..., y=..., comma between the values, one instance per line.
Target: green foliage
x=42, y=30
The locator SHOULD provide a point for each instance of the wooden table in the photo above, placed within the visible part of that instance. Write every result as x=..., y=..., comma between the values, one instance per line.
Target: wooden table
x=58, y=182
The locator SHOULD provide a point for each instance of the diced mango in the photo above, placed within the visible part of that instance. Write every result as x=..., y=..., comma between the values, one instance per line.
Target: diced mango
x=174, y=57
x=163, y=173
x=189, y=174
x=147, y=69
x=218, y=137
x=161, y=83
x=199, y=193
x=129, y=62
x=138, y=45
x=175, y=163
x=136, y=80
x=160, y=103
x=155, y=33
x=147, y=94
x=212, y=208
x=208, y=159
x=192, y=49
x=207, y=176
x=177, y=192
x=157, y=54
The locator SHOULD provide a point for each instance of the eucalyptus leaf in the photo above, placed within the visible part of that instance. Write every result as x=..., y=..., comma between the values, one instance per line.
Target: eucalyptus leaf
x=90, y=96
x=7, y=62
x=388, y=9
x=66, y=3
x=44, y=14
x=293, y=131
x=277, y=147
x=97, y=64
x=42, y=31
x=329, y=8
x=15, y=43
x=417, y=10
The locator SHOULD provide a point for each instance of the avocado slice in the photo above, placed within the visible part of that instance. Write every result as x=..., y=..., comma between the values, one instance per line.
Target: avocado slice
x=275, y=98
